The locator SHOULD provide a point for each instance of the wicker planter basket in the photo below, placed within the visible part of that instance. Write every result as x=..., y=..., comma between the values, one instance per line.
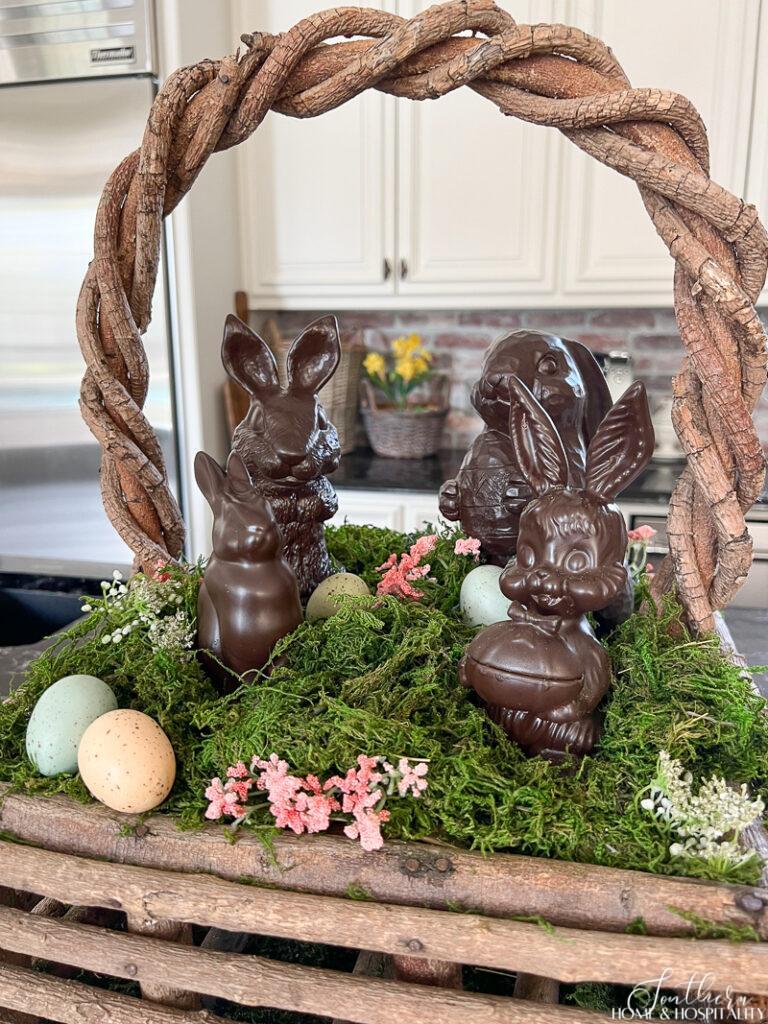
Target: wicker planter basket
x=405, y=433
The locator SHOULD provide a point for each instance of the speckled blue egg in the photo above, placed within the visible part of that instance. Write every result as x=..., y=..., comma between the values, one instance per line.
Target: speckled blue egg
x=60, y=718
x=481, y=600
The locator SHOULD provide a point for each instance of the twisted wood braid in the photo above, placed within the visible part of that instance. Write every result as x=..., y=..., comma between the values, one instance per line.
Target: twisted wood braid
x=546, y=74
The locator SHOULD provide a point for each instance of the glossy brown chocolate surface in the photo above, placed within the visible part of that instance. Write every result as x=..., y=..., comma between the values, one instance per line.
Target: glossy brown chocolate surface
x=286, y=439
x=490, y=491
x=542, y=673
x=249, y=597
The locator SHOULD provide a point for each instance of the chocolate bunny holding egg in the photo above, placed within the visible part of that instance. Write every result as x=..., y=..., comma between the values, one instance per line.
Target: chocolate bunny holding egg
x=542, y=673
x=286, y=440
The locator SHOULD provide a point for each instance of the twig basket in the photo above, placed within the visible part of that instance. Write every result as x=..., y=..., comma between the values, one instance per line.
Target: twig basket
x=427, y=909
x=181, y=895
x=411, y=433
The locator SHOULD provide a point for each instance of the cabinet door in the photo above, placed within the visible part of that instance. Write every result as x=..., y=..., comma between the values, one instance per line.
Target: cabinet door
x=421, y=509
x=706, y=51
x=315, y=194
x=396, y=510
x=370, y=508
x=476, y=216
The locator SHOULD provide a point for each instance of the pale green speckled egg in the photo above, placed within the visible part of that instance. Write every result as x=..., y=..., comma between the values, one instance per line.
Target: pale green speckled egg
x=481, y=600
x=59, y=719
x=324, y=600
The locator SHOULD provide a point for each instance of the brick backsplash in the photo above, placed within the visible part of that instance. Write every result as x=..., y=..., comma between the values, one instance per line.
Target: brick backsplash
x=459, y=338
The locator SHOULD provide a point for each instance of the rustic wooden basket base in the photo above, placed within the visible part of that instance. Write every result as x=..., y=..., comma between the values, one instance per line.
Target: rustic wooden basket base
x=164, y=881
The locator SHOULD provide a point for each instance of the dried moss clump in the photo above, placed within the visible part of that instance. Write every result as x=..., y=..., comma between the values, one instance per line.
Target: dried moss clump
x=380, y=677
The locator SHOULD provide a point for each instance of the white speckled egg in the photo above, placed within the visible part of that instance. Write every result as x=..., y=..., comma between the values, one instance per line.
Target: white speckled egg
x=324, y=600
x=59, y=719
x=481, y=600
x=127, y=761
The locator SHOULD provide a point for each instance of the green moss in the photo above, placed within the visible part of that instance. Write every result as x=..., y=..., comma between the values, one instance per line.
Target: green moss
x=594, y=996
x=360, y=549
x=381, y=677
x=355, y=891
x=706, y=929
x=637, y=926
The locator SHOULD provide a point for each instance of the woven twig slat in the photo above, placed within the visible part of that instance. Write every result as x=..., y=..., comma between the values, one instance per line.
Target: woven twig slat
x=547, y=74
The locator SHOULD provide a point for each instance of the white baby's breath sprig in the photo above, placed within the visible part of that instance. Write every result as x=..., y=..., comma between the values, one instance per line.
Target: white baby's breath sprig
x=707, y=824
x=174, y=634
x=154, y=607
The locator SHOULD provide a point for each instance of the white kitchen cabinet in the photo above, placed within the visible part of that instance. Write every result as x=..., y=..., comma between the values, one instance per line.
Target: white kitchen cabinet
x=316, y=194
x=397, y=510
x=475, y=217
x=389, y=203
x=706, y=51
x=395, y=203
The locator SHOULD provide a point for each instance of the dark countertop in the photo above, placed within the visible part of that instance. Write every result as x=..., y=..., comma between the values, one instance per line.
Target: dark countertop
x=362, y=470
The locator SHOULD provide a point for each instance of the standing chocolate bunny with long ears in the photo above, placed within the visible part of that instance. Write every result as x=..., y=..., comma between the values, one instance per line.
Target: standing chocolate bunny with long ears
x=543, y=673
x=286, y=440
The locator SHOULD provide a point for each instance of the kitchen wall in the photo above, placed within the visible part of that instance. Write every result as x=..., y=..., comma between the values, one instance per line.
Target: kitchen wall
x=459, y=340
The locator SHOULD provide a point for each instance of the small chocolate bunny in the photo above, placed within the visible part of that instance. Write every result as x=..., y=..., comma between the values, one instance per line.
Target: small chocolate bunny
x=543, y=672
x=249, y=597
x=490, y=491
x=286, y=439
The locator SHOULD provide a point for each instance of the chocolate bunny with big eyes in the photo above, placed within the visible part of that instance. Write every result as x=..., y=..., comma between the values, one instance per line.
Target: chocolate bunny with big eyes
x=286, y=439
x=543, y=673
x=249, y=597
x=490, y=491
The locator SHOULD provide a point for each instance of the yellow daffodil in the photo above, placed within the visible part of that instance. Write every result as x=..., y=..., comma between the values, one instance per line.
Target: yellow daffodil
x=405, y=345
x=405, y=369
x=375, y=365
x=420, y=363
x=412, y=365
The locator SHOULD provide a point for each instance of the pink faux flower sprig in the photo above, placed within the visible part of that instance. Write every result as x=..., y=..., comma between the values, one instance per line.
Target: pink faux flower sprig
x=637, y=551
x=643, y=533
x=400, y=574
x=304, y=804
x=469, y=546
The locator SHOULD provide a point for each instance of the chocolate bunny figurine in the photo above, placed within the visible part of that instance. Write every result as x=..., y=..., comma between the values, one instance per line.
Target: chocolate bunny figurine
x=542, y=673
x=490, y=490
x=286, y=440
x=249, y=598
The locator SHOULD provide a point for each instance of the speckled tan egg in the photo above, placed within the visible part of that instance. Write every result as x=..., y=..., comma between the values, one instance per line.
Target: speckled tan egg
x=324, y=601
x=126, y=761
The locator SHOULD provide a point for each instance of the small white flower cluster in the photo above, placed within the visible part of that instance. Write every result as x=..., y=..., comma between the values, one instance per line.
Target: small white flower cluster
x=708, y=823
x=174, y=633
x=112, y=590
x=151, y=601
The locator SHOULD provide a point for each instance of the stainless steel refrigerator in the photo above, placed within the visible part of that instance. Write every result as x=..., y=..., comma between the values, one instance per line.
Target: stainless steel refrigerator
x=76, y=83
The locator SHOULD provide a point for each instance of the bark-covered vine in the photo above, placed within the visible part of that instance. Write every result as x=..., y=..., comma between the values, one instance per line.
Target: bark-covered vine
x=547, y=74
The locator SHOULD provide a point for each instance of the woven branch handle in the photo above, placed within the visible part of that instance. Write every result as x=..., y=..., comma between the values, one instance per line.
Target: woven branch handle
x=546, y=74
